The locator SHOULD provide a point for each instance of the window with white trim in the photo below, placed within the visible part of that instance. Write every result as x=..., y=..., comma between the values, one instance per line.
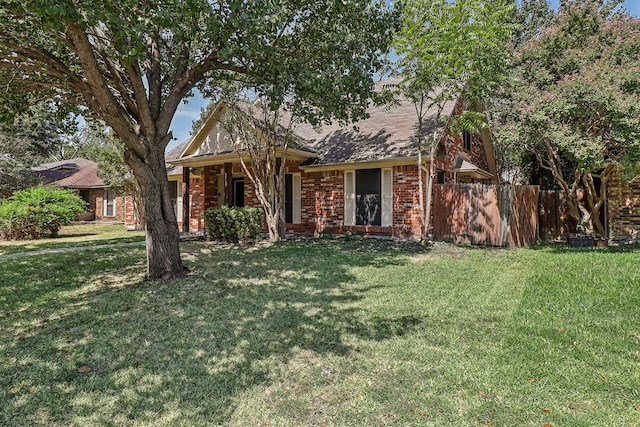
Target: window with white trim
x=292, y=190
x=368, y=197
x=109, y=202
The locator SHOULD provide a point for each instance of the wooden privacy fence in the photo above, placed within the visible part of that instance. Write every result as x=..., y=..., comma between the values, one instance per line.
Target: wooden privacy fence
x=555, y=222
x=492, y=215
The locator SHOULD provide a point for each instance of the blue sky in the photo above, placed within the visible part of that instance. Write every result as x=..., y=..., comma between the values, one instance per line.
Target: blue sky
x=186, y=114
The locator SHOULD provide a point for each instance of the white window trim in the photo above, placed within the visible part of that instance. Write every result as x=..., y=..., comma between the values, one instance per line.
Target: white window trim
x=386, y=196
x=105, y=202
x=296, y=202
x=350, y=198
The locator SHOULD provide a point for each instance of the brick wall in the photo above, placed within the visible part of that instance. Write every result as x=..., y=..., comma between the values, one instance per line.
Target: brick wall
x=623, y=208
x=322, y=201
x=406, y=202
x=196, y=202
x=454, y=146
x=130, y=220
x=97, y=202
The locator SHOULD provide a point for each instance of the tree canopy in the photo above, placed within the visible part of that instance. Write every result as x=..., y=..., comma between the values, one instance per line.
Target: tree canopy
x=450, y=48
x=575, y=104
x=130, y=63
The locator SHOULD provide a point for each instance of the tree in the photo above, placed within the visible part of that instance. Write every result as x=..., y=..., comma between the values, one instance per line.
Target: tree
x=131, y=63
x=30, y=139
x=259, y=133
x=447, y=49
x=576, y=102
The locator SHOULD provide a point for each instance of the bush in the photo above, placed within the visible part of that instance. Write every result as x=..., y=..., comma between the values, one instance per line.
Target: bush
x=234, y=224
x=38, y=212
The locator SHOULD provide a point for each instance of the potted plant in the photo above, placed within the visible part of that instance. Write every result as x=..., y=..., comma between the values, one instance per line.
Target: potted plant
x=584, y=238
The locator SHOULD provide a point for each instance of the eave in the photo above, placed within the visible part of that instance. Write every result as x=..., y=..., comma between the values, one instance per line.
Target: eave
x=219, y=159
x=364, y=164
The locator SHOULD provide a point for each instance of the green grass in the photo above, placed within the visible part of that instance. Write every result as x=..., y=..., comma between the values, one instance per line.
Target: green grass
x=75, y=235
x=323, y=333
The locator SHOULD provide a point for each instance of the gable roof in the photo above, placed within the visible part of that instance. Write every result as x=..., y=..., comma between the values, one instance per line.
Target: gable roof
x=73, y=173
x=387, y=134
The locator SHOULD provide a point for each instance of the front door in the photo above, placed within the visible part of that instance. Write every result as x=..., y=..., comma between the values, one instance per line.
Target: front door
x=238, y=192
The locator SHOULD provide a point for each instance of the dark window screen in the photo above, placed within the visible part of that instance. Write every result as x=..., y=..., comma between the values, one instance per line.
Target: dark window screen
x=288, y=198
x=466, y=137
x=368, y=197
x=85, y=195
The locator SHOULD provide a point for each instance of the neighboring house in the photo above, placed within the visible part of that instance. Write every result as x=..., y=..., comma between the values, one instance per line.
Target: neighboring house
x=81, y=175
x=623, y=209
x=337, y=179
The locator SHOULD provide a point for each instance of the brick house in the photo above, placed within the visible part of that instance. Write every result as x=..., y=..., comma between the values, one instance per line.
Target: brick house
x=623, y=208
x=81, y=175
x=337, y=179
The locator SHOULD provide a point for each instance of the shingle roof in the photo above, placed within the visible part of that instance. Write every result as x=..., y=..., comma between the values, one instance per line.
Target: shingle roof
x=388, y=133
x=73, y=173
x=86, y=177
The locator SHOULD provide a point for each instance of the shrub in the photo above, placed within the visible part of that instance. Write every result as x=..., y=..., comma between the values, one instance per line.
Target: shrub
x=234, y=224
x=38, y=212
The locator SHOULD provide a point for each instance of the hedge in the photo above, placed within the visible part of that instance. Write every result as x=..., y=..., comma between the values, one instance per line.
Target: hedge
x=233, y=223
x=38, y=212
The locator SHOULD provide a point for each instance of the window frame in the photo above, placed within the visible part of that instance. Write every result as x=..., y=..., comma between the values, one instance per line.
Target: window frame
x=106, y=202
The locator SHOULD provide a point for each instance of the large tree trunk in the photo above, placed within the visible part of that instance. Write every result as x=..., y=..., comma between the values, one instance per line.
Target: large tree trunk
x=162, y=234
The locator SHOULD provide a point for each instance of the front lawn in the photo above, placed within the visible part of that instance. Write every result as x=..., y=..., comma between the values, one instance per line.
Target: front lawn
x=323, y=333
x=75, y=235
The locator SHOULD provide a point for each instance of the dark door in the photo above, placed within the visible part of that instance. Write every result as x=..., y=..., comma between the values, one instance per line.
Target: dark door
x=288, y=198
x=238, y=192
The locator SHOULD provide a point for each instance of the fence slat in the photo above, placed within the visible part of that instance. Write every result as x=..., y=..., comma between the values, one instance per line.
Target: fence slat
x=493, y=215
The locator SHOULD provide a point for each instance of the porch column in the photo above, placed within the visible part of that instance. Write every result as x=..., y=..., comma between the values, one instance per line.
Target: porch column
x=185, y=199
x=228, y=190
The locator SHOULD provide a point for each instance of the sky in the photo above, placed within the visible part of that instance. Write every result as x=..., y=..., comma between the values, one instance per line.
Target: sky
x=187, y=113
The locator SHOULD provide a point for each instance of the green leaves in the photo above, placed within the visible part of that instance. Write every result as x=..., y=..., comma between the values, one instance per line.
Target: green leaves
x=456, y=46
x=38, y=212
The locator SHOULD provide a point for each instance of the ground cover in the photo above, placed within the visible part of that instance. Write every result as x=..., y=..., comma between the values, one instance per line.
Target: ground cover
x=323, y=332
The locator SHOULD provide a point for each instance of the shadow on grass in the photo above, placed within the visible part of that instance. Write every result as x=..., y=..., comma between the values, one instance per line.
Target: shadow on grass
x=176, y=353
x=563, y=248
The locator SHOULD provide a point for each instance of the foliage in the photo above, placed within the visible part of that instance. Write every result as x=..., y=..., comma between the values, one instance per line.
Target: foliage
x=449, y=48
x=31, y=138
x=531, y=17
x=131, y=63
x=38, y=212
x=233, y=223
x=575, y=103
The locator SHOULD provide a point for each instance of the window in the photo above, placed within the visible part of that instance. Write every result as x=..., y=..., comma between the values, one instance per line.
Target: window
x=440, y=179
x=85, y=195
x=238, y=192
x=368, y=197
x=109, y=203
x=292, y=189
x=466, y=139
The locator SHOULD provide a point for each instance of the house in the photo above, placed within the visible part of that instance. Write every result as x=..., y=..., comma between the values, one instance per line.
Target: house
x=81, y=175
x=338, y=179
x=623, y=208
